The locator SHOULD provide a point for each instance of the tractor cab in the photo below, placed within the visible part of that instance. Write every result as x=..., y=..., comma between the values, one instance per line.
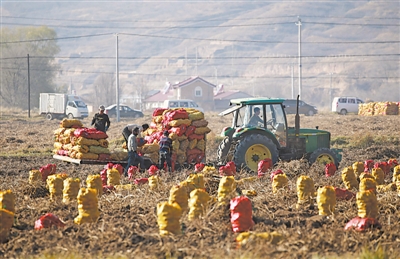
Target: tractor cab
x=259, y=130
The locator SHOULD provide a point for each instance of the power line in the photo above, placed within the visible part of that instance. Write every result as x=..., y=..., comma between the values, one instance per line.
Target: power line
x=63, y=38
x=352, y=24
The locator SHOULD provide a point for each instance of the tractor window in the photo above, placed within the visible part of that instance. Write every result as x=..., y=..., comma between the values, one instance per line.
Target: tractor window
x=254, y=116
x=278, y=124
x=241, y=117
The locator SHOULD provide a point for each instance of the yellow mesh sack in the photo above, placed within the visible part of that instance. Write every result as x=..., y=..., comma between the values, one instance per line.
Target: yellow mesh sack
x=181, y=158
x=89, y=156
x=85, y=141
x=202, y=130
x=200, y=123
x=179, y=194
x=7, y=200
x=258, y=239
x=175, y=145
x=158, y=119
x=349, y=178
x=68, y=123
x=305, y=190
x=368, y=184
x=154, y=182
x=366, y=175
x=198, y=200
x=197, y=115
x=119, y=155
x=201, y=144
x=82, y=149
x=124, y=187
x=113, y=177
x=150, y=148
x=58, y=145
x=226, y=189
x=358, y=168
x=71, y=189
x=69, y=132
x=279, y=181
x=367, y=204
x=173, y=136
x=56, y=185
x=195, y=181
x=35, y=177
x=64, y=140
x=59, y=131
x=103, y=143
x=87, y=206
x=192, y=143
x=183, y=145
x=396, y=173
x=179, y=122
x=168, y=216
x=391, y=187
x=68, y=146
x=326, y=200
x=154, y=157
x=181, y=138
x=209, y=170
x=379, y=175
x=6, y=222
x=98, y=150
x=94, y=182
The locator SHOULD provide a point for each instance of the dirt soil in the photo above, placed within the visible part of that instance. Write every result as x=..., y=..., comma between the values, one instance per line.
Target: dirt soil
x=127, y=227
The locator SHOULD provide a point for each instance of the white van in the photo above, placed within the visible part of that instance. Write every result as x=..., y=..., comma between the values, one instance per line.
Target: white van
x=185, y=103
x=344, y=105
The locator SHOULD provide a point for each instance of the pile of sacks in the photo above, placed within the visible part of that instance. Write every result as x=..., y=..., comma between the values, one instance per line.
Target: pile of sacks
x=187, y=128
x=379, y=108
x=75, y=141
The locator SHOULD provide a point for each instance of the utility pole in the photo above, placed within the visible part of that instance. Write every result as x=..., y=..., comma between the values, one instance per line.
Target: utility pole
x=299, y=24
x=117, y=77
x=29, y=91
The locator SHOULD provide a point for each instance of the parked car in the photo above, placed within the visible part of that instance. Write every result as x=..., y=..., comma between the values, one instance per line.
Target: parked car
x=185, y=103
x=304, y=108
x=124, y=112
x=344, y=105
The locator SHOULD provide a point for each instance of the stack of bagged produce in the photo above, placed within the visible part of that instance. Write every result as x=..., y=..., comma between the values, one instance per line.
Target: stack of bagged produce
x=75, y=141
x=187, y=128
x=378, y=108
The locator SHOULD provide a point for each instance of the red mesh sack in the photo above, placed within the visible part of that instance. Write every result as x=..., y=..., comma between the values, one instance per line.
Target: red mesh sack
x=158, y=111
x=141, y=181
x=153, y=125
x=228, y=170
x=119, y=168
x=362, y=224
x=241, y=214
x=392, y=162
x=176, y=114
x=279, y=171
x=190, y=130
x=199, y=167
x=344, y=194
x=90, y=133
x=263, y=166
x=330, y=169
x=47, y=170
x=104, y=157
x=179, y=130
x=368, y=165
x=132, y=171
x=153, y=170
x=196, y=136
x=384, y=166
x=47, y=221
x=103, y=176
x=62, y=152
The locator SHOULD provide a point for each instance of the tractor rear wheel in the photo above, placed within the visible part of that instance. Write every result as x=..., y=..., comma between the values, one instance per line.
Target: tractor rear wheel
x=324, y=156
x=223, y=150
x=252, y=149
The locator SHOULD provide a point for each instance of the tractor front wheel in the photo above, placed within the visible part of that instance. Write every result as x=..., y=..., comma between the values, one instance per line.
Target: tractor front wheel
x=252, y=149
x=223, y=150
x=324, y=156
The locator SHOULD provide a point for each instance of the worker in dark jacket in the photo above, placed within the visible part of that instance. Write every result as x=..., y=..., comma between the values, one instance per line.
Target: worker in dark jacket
x=128, y=130
x=133, y=157
x=165, y=151
x=100, y=120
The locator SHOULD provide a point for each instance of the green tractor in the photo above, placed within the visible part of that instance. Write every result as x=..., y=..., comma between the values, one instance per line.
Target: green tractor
x=259, y=131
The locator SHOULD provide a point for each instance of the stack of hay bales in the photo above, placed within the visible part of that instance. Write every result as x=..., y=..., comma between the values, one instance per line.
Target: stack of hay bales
x=187, y=128
x=72, y=140
x=378, y=108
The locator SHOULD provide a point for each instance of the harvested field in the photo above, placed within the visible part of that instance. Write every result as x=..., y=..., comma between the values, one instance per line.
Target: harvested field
x=128, y=228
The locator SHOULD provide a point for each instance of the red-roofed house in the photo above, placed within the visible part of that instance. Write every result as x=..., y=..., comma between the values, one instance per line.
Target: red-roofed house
x=193, y=88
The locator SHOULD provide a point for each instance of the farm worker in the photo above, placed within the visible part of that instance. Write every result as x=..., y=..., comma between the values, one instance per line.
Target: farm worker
x=128, y=130
x=133, y=156
x=100, y=120
x=255, y=119
x=165, y=151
